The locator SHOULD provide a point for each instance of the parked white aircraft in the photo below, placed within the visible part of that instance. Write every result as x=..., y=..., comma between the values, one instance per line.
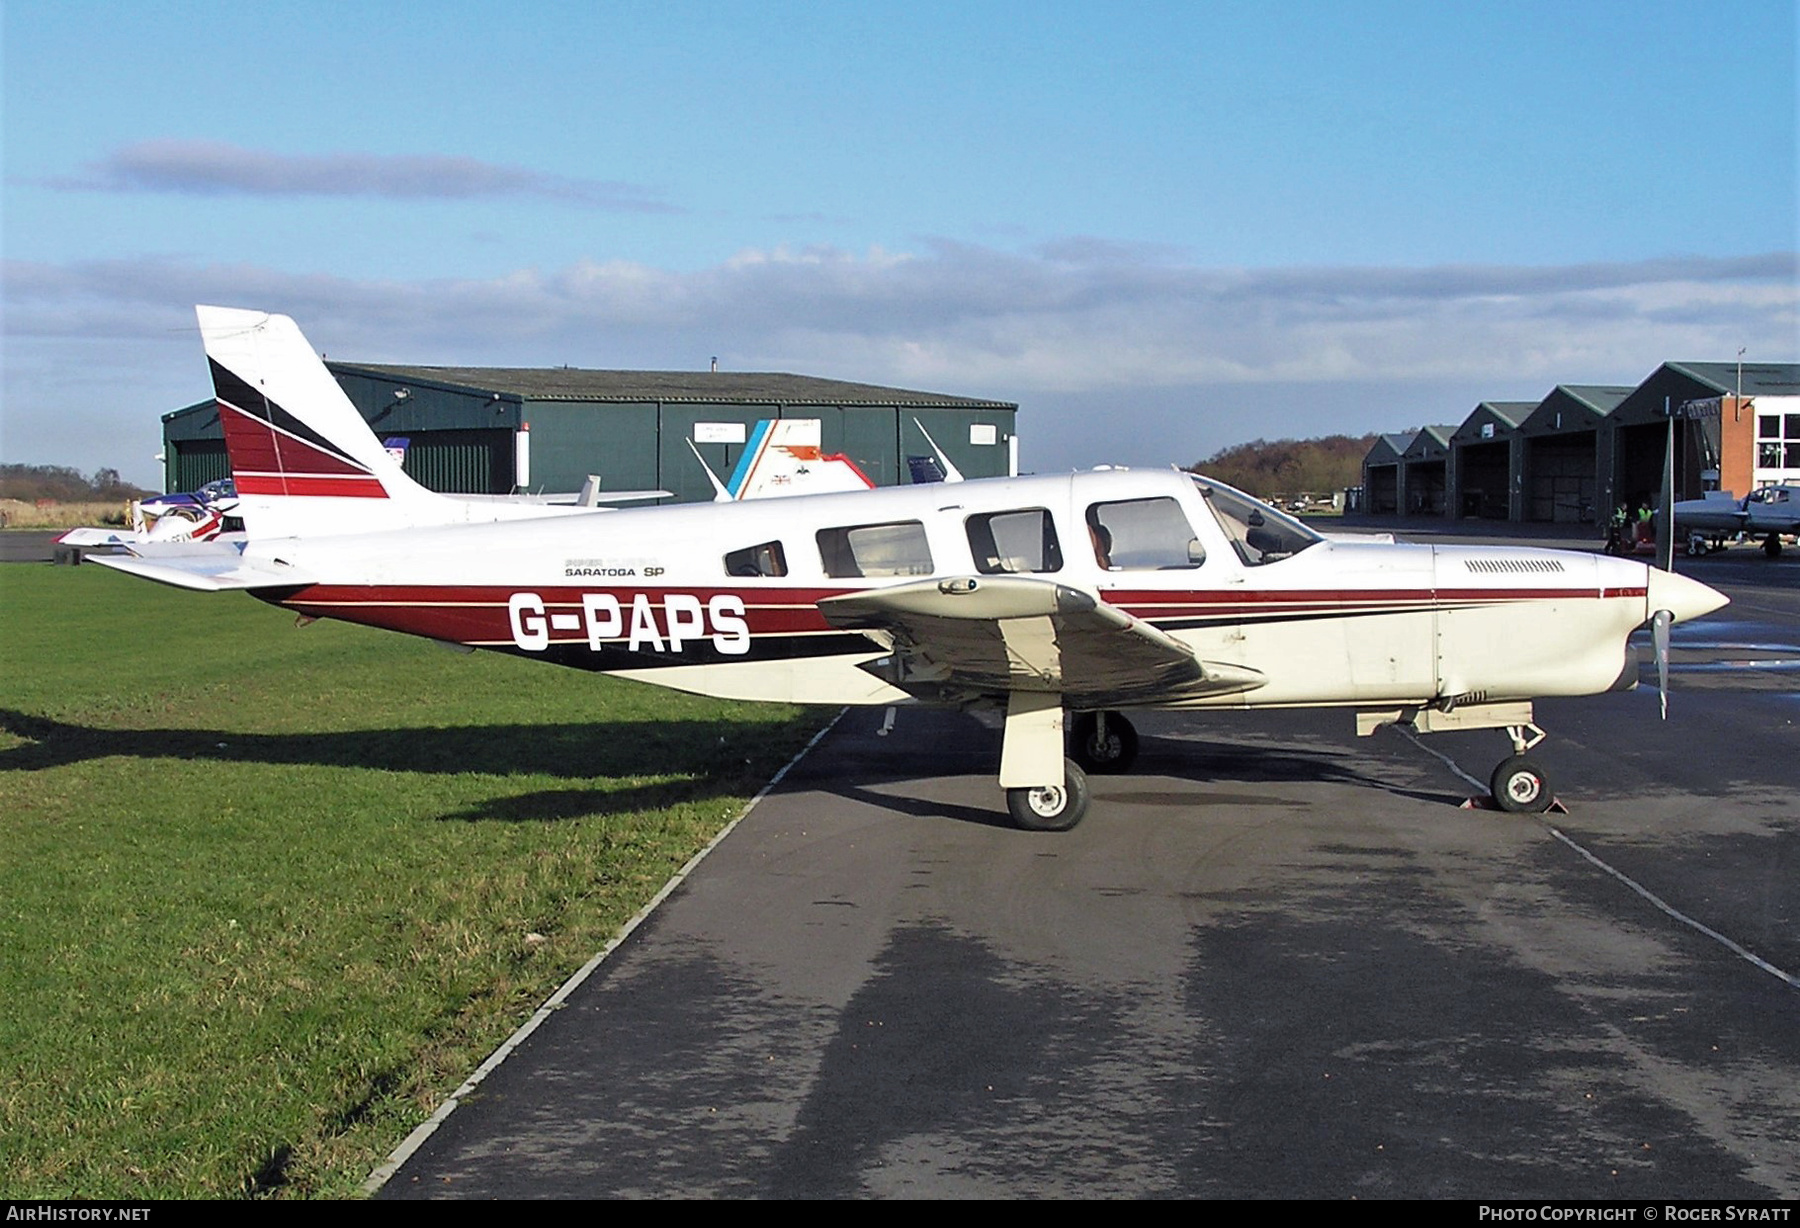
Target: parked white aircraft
x=1085, y=593
x=198, y=516
x=783, y=457
x=1771, y=513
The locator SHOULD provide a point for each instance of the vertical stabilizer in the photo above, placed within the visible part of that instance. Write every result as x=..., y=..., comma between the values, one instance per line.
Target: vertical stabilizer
x=783, y=457
x=304, y=461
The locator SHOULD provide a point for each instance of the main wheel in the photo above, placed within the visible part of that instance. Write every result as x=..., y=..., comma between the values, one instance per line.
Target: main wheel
x=1103, y=755
x=1053, y=807
x=1520, y=787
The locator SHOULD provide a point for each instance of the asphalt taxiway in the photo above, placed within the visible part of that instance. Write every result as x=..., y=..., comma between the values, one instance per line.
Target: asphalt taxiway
x=1275, y=960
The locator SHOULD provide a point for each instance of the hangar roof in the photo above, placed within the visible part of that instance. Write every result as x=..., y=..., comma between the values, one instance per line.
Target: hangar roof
x=1510, y=412
x=701, y=387
x=1431, y=443
x=1775, y=379
x=1387, y=449
x=1498, y=418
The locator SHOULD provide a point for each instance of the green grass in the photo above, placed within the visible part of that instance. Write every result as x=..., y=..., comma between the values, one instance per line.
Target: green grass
x=268, y=894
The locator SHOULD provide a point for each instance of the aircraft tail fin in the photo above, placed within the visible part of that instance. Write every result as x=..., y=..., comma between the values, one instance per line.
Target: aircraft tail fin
x=303, y=459
x=784, y=457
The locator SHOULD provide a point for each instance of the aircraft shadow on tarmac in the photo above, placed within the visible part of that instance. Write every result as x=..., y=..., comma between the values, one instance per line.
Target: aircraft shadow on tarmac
x=701, y=754
x=1216, y=766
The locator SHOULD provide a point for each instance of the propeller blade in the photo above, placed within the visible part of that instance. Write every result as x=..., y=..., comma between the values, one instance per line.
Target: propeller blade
x=1660, y=623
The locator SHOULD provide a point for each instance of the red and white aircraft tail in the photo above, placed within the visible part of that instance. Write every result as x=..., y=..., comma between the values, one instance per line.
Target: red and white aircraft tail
x=305, y=462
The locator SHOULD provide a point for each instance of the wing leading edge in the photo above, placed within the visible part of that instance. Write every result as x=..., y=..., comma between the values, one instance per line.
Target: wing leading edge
x=997, y=635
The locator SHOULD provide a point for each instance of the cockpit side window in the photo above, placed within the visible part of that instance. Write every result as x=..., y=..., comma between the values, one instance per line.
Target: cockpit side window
x=1143, y=535
x=763, y=559
x=1258, y=532
x=897, y=549
x=1010, y=542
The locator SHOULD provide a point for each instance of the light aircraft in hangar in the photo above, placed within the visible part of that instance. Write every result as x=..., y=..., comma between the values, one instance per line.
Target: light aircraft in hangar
x=1078, y=596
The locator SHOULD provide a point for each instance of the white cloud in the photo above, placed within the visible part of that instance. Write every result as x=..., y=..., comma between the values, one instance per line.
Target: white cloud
x=1082, y=323
x=216, y=168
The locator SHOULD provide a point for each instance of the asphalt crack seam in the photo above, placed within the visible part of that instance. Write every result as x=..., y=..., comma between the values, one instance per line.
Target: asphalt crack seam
x=1656, y=901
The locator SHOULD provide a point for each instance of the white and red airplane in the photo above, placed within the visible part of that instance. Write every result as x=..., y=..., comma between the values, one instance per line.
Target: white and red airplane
x=1085, y=594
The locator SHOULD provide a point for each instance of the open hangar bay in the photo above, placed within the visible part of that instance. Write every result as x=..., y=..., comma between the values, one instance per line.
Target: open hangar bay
x=1275, y=960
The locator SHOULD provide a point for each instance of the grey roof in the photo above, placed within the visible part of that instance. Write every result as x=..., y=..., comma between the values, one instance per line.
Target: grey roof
x=1489, y=414
x=700, y=387
x=1396, y=444
x=1776, y=379
x=1601, y=398
x=1510, y=412
x=1429, y=441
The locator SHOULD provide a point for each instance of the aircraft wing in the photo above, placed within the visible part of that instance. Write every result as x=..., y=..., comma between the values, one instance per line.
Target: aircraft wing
x=211, y=571
x=993, y=635
x=1784, y=519
x=99, y=537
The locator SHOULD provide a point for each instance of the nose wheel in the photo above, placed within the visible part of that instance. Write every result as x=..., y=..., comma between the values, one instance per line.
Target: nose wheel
x=1519, y=786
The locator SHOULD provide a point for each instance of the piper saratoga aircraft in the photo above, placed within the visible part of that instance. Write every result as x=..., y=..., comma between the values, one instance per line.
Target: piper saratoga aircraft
x=1077, y=595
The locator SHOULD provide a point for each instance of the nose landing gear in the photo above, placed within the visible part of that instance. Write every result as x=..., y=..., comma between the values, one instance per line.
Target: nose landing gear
x=1519, y=785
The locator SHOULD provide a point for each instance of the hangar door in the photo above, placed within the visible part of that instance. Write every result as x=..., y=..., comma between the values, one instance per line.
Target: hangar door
x=461, y=462
x=1562, y=479
x=195, y=462
x=864, y=433
x=975, y=440
x=718, y=432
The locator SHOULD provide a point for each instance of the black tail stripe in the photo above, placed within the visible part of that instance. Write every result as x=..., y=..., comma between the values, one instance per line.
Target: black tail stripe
x=232, y=389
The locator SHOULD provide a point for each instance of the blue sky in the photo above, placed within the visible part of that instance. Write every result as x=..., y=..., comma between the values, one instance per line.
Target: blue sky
x=1161, y=228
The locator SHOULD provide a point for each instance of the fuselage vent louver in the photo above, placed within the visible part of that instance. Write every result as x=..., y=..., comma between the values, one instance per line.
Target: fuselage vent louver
x=1513, y=565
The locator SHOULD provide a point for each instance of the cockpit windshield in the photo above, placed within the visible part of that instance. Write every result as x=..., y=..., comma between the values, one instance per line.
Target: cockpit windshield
x=1258, y=532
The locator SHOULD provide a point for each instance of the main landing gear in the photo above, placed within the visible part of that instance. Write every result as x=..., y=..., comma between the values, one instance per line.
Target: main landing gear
x=1103, y=743
x=1519, y=785
x=1051, y=807
x=1047, y=785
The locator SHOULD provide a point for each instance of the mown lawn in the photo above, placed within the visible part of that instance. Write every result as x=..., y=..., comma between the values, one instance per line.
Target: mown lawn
x=268, y=893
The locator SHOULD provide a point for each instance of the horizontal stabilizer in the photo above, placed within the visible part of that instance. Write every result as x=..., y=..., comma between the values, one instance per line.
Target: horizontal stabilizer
x=209, y=572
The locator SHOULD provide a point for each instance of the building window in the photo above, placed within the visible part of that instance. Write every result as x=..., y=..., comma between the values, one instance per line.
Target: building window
x=1777, y=445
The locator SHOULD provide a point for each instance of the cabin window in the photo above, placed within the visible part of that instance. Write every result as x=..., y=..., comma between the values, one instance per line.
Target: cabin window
x=1009, y=542
x=1142, y=535
x=897, y=549
x=1258, y=532
x=764, y=559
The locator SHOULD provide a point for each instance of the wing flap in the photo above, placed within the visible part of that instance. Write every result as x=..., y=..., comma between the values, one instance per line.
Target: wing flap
x=991, y=635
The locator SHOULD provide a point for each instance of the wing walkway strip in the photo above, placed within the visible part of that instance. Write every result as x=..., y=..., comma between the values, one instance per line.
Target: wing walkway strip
x=401, y=1154
x=1655, y=900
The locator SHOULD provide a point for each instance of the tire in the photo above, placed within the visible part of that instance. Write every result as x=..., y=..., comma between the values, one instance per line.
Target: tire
x=1057, y=808
x=1519, y=787
x=1116, y=754
x=1772, y=546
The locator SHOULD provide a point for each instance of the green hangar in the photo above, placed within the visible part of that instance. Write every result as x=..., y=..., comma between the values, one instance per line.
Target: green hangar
x=494, y=430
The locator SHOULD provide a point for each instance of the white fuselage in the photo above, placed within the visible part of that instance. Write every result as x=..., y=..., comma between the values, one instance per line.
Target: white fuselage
x=661, y=594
